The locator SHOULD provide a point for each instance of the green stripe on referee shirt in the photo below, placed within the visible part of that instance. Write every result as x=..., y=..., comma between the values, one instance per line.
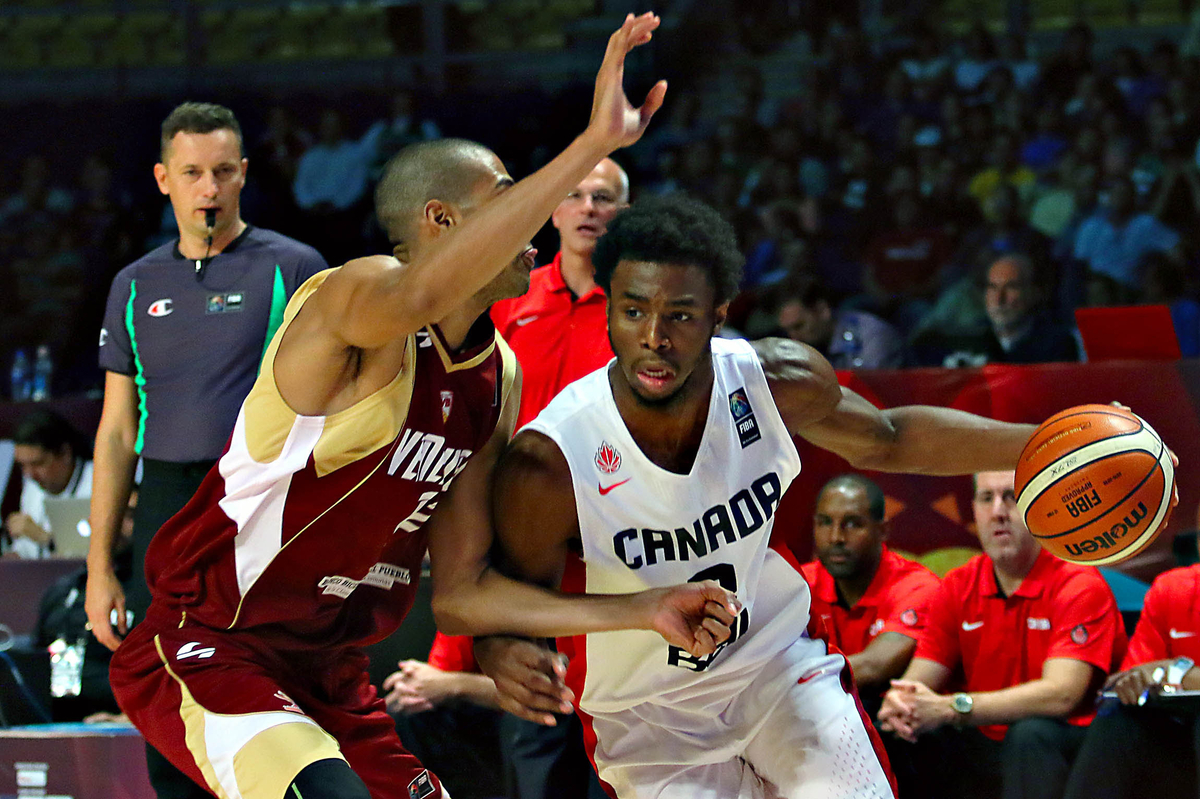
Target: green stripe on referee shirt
x=139, y=378
x=275, y=319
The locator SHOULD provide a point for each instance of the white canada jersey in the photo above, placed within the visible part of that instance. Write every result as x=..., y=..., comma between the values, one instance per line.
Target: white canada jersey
x=644, y=527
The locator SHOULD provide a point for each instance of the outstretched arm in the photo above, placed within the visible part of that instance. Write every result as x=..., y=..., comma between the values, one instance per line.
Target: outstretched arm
x=919, y=439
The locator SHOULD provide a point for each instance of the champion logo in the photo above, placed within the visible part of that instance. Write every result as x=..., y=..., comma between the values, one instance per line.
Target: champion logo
x=447, y=404
x=608, y=460
x=1177, y=634
x=161, y=307
x=605, y=489
x=973, y=625
x=526, y=320
x=189, y=650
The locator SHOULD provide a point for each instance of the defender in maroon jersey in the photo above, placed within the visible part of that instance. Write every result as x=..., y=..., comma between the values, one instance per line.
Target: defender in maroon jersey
x=384, y=385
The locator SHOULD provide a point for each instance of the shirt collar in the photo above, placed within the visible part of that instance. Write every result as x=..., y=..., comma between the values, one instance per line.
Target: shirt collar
x=558, y=284
x=230, y=247
x=825, y=587
x=1030, y=588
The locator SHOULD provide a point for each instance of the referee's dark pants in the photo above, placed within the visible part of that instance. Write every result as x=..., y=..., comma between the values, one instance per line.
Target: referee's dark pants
x=1135, y=752
x=166, y=487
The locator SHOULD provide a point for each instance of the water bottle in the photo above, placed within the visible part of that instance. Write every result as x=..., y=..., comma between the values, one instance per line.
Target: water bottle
x=43, y=373
x=19, y=388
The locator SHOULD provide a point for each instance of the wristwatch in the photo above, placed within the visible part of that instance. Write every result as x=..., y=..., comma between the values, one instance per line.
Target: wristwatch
x=1177, y=670
x=962, y=704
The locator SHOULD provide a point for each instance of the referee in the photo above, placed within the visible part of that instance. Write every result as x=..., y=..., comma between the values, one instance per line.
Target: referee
x=184, y=332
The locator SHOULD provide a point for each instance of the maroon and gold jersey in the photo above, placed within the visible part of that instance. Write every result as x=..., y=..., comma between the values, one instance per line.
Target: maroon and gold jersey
x=309, y=530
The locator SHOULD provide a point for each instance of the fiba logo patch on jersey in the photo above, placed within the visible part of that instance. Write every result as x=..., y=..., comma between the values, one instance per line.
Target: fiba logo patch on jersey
x=743, y=417
x=608, y=460
x=447, y=404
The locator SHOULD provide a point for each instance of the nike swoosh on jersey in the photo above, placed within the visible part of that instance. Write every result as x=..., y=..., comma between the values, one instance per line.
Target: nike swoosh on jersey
x=1177, y=634
x=527, y=320
x=968, y=626
x=604, y=490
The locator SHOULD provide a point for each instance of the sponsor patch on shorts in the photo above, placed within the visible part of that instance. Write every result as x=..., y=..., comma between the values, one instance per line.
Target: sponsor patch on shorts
x=421, y=787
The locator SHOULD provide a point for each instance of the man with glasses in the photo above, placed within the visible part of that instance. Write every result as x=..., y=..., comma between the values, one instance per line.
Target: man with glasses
x=557, y=329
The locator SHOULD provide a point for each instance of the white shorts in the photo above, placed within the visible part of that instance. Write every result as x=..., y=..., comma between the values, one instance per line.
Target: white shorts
x=805, y=740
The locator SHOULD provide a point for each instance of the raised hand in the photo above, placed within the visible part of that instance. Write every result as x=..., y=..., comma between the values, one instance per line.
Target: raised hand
x=614, y=121
x=696, y=617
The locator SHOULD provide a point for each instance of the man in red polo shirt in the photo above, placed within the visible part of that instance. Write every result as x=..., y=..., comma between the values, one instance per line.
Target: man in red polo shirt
x=558, y=329
x=1149, y=751
x=1032, y=637
x=867, y=601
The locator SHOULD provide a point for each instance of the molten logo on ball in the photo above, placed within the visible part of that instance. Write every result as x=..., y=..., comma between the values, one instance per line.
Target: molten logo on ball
x=1112, y=537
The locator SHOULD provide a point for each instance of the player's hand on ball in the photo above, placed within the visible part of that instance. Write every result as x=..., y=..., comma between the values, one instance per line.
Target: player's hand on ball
x=614, y=121
x=529, y=678
x=696, y=617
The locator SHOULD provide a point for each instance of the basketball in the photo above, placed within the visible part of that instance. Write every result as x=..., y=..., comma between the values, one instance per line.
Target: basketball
x=1094, y=484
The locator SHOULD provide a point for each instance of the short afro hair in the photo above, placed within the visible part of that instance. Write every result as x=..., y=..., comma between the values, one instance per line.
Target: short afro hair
x=674, y=229
x=876, y=502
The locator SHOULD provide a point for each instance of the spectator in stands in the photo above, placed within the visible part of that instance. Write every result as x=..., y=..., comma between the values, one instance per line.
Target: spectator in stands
x=1005, y=169
x=1072, y=60
x=1033, y=635
x=404, y=126
x=80, y=690
x=276, y=156
x=35, y=195
x=904, y=262
x=1166, y=284
x=54, y=462
x=1113, y=242
x=849, y=339
x=448, y=716
x=331, y=186
x=1020, y=330
x=870, y=602
x=1143, y=751
x=977, y=61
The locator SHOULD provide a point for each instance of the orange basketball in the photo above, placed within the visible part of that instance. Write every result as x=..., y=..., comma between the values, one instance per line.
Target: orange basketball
x=1094, y=484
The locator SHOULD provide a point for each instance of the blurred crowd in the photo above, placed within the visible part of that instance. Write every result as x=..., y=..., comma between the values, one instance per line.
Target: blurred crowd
x=925, y=201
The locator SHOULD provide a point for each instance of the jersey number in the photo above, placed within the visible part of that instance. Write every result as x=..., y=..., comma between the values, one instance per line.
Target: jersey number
x=724, y=574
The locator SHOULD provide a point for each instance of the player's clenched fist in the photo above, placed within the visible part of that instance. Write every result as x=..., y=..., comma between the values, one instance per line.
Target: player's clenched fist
x=696, y=617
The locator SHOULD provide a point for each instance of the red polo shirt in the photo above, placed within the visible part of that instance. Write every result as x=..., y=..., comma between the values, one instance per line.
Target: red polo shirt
x=1060, y=610
x=453, y=653
x=1169, y=626
x=897, y=601
x=557, y=337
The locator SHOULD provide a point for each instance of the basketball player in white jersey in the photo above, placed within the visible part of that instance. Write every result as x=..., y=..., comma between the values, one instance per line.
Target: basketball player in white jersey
x=668, y=465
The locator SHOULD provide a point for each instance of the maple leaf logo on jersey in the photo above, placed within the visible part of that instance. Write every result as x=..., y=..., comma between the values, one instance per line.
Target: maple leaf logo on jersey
x=447, y=403
x=608, y=460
